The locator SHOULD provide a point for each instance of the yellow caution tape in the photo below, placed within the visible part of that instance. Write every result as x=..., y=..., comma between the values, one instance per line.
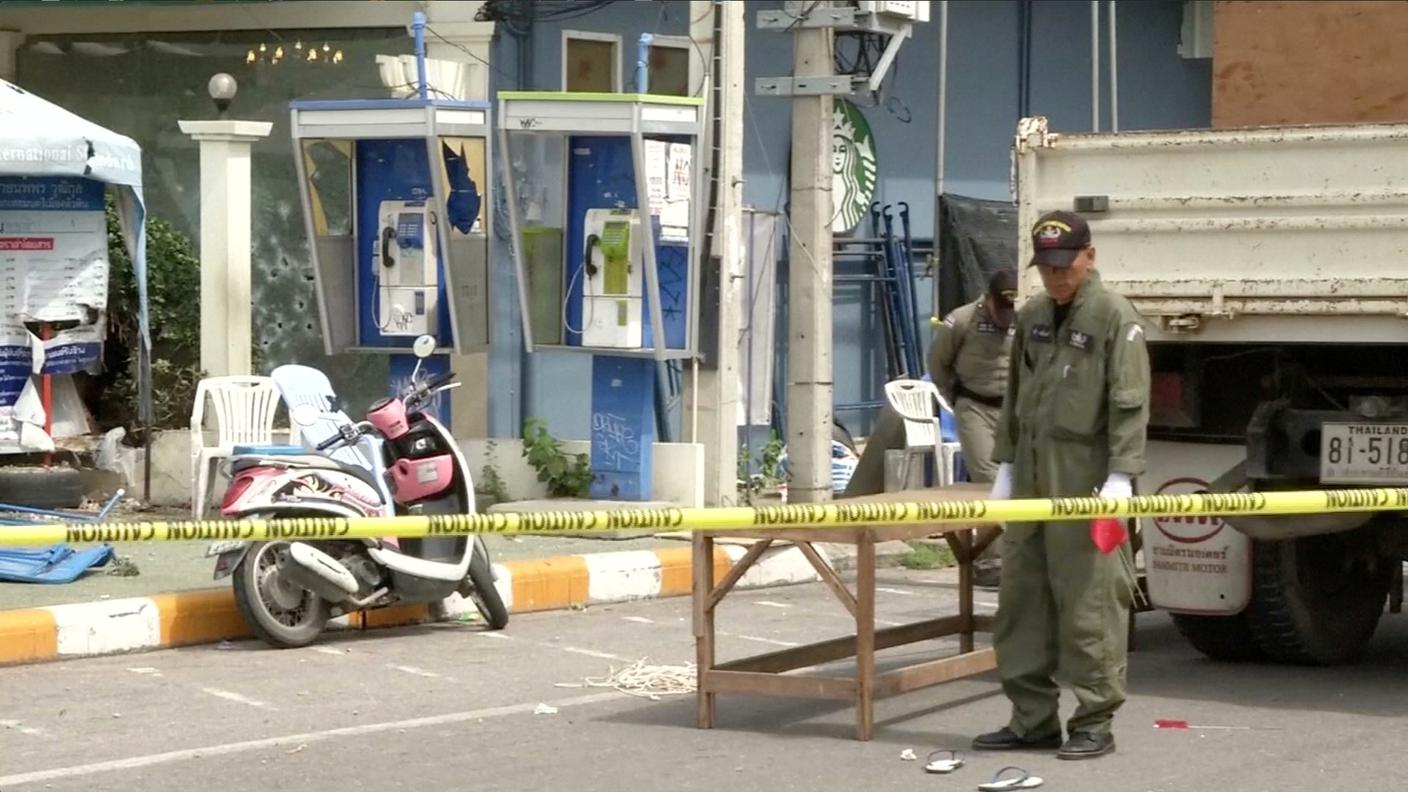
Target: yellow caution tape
x=832, y=515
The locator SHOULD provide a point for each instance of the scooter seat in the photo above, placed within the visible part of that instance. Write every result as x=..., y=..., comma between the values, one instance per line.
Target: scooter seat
x=301, y=459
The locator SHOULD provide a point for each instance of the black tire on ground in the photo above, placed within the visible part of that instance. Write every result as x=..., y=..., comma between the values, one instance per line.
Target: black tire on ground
x=1227, y=639
x=485, y=595
x=286, y=626
x=1317, y=600
x=41, y=487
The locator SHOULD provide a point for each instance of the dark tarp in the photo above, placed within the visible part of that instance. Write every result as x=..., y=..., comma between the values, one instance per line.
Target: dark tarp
x=976, y=238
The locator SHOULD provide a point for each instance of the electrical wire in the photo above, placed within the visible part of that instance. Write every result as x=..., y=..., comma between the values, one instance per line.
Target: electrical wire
x=782, y=188
x=462, y=48
x=647, y=681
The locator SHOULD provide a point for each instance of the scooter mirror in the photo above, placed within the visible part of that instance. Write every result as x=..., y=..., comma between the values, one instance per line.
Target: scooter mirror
x=304, y=414
x=424, y=346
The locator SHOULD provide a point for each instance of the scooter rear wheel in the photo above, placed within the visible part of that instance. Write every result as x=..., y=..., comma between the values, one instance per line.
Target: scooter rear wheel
x=484, y=594
x=278, y=612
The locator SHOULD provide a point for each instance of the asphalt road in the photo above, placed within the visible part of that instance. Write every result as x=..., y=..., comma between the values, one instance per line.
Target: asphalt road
x=449, y=707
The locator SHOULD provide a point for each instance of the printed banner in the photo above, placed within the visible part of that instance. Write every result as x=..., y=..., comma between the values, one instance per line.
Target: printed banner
x=53, y=268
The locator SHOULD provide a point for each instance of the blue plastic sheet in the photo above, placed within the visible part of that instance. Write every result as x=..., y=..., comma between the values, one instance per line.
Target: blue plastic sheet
x=55, y=564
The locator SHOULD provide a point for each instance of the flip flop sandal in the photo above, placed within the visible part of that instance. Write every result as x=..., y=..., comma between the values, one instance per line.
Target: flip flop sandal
x=999, y=784
x=935, y=764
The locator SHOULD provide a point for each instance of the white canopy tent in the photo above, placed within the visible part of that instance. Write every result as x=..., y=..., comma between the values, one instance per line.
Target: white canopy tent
x=38, y=138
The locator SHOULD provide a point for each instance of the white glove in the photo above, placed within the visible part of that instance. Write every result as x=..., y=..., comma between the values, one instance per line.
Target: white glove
x=1117, y=485
x=1002, y=485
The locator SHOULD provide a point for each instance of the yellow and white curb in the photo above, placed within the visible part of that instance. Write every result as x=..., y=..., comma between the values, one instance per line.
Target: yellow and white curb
x=187, y=618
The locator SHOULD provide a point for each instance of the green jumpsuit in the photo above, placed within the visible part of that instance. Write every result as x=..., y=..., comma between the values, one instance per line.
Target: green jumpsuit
x=1077, y=409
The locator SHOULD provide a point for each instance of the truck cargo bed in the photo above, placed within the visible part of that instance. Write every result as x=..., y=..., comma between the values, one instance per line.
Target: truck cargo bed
x=1295, y=234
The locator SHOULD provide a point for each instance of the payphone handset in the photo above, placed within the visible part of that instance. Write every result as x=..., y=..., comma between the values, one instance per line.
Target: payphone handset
x=612, y=271
x=406, y=268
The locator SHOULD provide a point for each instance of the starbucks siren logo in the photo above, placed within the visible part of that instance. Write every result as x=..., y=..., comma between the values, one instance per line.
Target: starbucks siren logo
x=852, y=167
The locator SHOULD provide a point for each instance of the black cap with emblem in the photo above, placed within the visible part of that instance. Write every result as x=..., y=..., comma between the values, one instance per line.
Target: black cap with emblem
x=1057, y=238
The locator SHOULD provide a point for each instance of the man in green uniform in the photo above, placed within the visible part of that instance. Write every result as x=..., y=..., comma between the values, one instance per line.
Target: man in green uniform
x=1073, y=424
x=968, y=361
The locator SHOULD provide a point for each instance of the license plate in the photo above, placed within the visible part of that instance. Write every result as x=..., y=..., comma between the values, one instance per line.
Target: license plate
x=220, y=548
x=1364, y=453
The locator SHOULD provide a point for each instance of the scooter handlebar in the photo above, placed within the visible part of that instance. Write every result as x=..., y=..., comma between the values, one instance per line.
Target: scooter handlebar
x=347, y=433
x=438, y=380
x=330, y=442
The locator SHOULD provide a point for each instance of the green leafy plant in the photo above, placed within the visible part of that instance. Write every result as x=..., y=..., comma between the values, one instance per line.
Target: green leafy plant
x=771, y=473
x=567, y=475
x=173, y=299
x=928, y=555
x=491, y=485
x=771, y=460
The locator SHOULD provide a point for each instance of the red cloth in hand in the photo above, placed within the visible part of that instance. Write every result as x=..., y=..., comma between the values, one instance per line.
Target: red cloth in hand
x=1108, y=533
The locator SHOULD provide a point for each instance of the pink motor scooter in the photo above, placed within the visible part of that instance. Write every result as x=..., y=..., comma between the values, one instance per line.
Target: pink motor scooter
x=287, y=591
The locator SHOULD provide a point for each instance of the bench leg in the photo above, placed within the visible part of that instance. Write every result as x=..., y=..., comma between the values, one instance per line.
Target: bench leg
x=865, y=637
x=703, y=564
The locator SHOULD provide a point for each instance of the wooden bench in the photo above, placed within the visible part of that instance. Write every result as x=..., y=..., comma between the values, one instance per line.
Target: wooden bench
x=766, y=674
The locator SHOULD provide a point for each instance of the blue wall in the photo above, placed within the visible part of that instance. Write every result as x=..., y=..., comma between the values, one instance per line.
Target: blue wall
x=1158, y=89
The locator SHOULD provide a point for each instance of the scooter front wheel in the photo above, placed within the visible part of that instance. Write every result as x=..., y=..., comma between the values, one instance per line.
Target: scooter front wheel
x=484, y=593
x=278, y=611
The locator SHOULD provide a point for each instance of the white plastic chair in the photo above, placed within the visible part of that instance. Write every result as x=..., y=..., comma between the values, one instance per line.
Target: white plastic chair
x=306, y=385
x=914, y=401
x=244, y=415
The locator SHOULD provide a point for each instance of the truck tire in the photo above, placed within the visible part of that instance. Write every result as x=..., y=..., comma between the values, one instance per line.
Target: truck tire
x=1317, y=600
x=1227, y=639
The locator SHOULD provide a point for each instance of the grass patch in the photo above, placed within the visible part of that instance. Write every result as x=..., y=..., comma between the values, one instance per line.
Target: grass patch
x=925, y=555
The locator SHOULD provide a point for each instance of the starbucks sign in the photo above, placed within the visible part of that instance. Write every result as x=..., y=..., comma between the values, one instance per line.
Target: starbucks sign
x=852, y=167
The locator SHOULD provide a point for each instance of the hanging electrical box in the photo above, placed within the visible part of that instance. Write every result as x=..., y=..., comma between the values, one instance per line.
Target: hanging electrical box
x=605, y=227
x=395, y=197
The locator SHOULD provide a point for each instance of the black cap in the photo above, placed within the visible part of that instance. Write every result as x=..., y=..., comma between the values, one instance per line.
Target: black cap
x=1057, y=238
x=1002, y=296
x=1003, y=284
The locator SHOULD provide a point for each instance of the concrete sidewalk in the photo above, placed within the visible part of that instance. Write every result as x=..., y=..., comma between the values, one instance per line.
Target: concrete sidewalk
x=103, y=614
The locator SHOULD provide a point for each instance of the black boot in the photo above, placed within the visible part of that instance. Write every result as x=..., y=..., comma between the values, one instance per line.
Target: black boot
x=1005, y=739
x=1085, y=745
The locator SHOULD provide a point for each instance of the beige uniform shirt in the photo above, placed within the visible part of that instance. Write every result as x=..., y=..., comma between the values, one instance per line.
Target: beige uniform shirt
x=970, y=350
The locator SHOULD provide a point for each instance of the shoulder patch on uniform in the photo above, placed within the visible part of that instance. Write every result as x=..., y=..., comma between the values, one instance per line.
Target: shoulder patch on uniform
x=1134, y=332
x=950, y=320
x=1042, y=333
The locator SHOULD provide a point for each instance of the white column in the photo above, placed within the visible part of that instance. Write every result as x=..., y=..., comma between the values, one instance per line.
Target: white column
x=10, y=42
x=226, y=339
x=467, y=42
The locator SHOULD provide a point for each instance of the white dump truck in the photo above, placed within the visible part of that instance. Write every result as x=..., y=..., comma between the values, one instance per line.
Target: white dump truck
x=1271, y=267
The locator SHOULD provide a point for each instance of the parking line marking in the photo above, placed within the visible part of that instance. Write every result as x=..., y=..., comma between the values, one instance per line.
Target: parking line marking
x=226, y=749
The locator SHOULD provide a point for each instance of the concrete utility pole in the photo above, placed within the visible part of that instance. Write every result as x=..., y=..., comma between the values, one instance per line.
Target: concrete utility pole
x=470, y=42
x=718, y=386
x=809, y=375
